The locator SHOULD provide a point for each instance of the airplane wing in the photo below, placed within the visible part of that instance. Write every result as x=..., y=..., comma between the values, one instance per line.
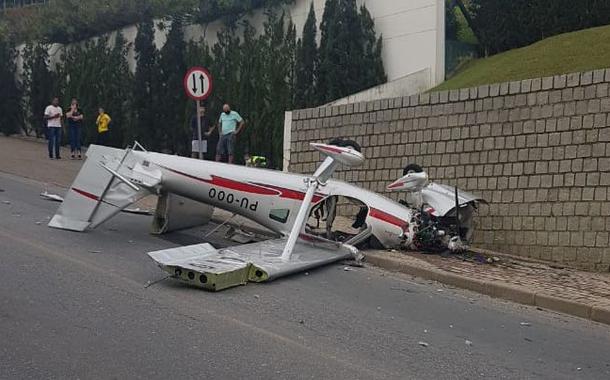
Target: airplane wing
x=204, y=266
x=213, y=269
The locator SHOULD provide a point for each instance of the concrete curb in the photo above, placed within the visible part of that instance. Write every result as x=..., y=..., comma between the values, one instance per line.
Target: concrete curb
x=496, y=289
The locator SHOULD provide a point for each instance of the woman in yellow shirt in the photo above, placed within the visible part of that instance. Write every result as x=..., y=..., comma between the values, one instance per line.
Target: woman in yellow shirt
x=102, y=122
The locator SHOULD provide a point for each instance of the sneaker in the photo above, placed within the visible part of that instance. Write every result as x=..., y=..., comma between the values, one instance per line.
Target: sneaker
x=71, y=156
x=58, y=158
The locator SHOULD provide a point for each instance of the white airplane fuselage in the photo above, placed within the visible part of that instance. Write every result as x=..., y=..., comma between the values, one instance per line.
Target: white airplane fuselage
x=271, y=198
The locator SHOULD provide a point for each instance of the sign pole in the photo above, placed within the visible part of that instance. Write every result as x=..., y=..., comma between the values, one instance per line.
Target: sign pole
x=200, y=147
x=198, y=85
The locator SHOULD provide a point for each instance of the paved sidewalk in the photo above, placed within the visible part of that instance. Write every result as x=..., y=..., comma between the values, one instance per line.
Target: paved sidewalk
x=541, y=284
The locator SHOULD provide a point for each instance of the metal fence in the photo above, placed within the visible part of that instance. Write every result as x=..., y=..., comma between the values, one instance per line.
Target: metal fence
x=9, y=4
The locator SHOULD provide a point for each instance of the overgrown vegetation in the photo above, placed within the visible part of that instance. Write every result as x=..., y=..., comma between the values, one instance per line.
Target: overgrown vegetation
x=571, y=52
x=502, y=25
x=256, y=72
x=66, y=21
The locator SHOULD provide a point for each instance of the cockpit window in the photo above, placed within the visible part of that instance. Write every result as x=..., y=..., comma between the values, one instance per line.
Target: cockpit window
x=279, y=214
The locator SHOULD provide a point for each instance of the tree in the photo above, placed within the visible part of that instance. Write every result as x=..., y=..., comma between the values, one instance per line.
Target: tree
x=327, y=69
x=118, y=86
x=38, y=82
x=146, y=127
x=350, y=52
x=173, y=66
x=373, y=72
x=11, y=114
x=307, y=64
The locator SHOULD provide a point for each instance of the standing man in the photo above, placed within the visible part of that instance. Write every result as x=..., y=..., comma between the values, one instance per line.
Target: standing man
x=53, y=115
x=102, y=122
x=195, y=134
x=230, y=124
x=75, y=124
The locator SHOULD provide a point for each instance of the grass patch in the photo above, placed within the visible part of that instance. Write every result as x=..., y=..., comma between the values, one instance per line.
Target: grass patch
x=584, y=50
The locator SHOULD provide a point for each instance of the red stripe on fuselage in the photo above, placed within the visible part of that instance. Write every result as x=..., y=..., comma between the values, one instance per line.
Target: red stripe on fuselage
x=86, y=194
x=293, y=194
x=258, y=188
x=384, y=216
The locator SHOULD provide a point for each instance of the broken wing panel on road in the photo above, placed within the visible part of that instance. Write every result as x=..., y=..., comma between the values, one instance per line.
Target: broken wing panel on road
x=204, y=266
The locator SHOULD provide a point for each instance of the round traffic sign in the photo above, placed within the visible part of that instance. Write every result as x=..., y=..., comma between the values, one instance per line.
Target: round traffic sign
x=198, y=83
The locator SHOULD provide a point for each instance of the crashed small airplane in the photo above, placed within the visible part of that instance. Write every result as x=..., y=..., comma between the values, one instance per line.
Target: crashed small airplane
x=301, y=209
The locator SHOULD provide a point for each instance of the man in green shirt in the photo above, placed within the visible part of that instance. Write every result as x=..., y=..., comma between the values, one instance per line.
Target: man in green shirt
x=230, y=124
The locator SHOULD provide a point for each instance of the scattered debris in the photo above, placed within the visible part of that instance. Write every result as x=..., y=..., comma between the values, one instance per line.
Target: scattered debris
x=423, y=344
x=525, y=324
x=6, y=202
x=403, y=290
x=151, y=283
x=528, y=339
x=579, y=369
x=138, y=211
x=450, y=326
x=51, y=197
x=302, y=322
x=440, y=290
x=468, y=343
x=257, y=296
x=95, y=251
x=378, y=308
x=38, y=223
x=426, y=331
x=347, y=269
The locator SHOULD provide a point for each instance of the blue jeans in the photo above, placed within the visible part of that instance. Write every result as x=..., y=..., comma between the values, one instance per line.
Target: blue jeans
x=54, y=136
x=75, y=137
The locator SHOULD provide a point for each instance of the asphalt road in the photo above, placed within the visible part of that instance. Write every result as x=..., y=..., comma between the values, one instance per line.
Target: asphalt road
x=74, y=305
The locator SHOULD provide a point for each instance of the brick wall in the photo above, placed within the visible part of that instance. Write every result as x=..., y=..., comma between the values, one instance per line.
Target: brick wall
x=538, y=150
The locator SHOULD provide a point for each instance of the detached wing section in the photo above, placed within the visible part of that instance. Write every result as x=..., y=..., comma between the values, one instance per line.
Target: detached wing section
x=204, y=266
x=102, y=188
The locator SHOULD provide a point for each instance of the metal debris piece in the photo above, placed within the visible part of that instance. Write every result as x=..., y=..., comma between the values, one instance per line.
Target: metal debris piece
x=6, y=202
x=468, y=343
x=95, y=251
x=138, y=211
x=347, y=269
x=51, y=197
x=38, y=223
x=423, y=344
x=525, y=324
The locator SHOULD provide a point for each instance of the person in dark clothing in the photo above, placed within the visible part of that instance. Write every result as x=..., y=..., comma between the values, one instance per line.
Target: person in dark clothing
x=75, y=126
x=195, y=134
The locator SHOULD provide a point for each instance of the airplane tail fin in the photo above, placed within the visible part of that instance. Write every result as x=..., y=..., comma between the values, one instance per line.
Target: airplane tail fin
x=101, y=189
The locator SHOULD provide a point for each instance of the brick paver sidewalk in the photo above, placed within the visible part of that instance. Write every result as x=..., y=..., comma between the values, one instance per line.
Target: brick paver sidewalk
x=536, y=283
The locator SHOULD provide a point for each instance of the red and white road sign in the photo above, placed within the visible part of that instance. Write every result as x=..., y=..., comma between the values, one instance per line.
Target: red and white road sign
x=198, y=83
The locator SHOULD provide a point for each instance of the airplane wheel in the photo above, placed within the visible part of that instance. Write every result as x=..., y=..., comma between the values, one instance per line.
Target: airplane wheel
x=346, y=144
x=412, y=168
